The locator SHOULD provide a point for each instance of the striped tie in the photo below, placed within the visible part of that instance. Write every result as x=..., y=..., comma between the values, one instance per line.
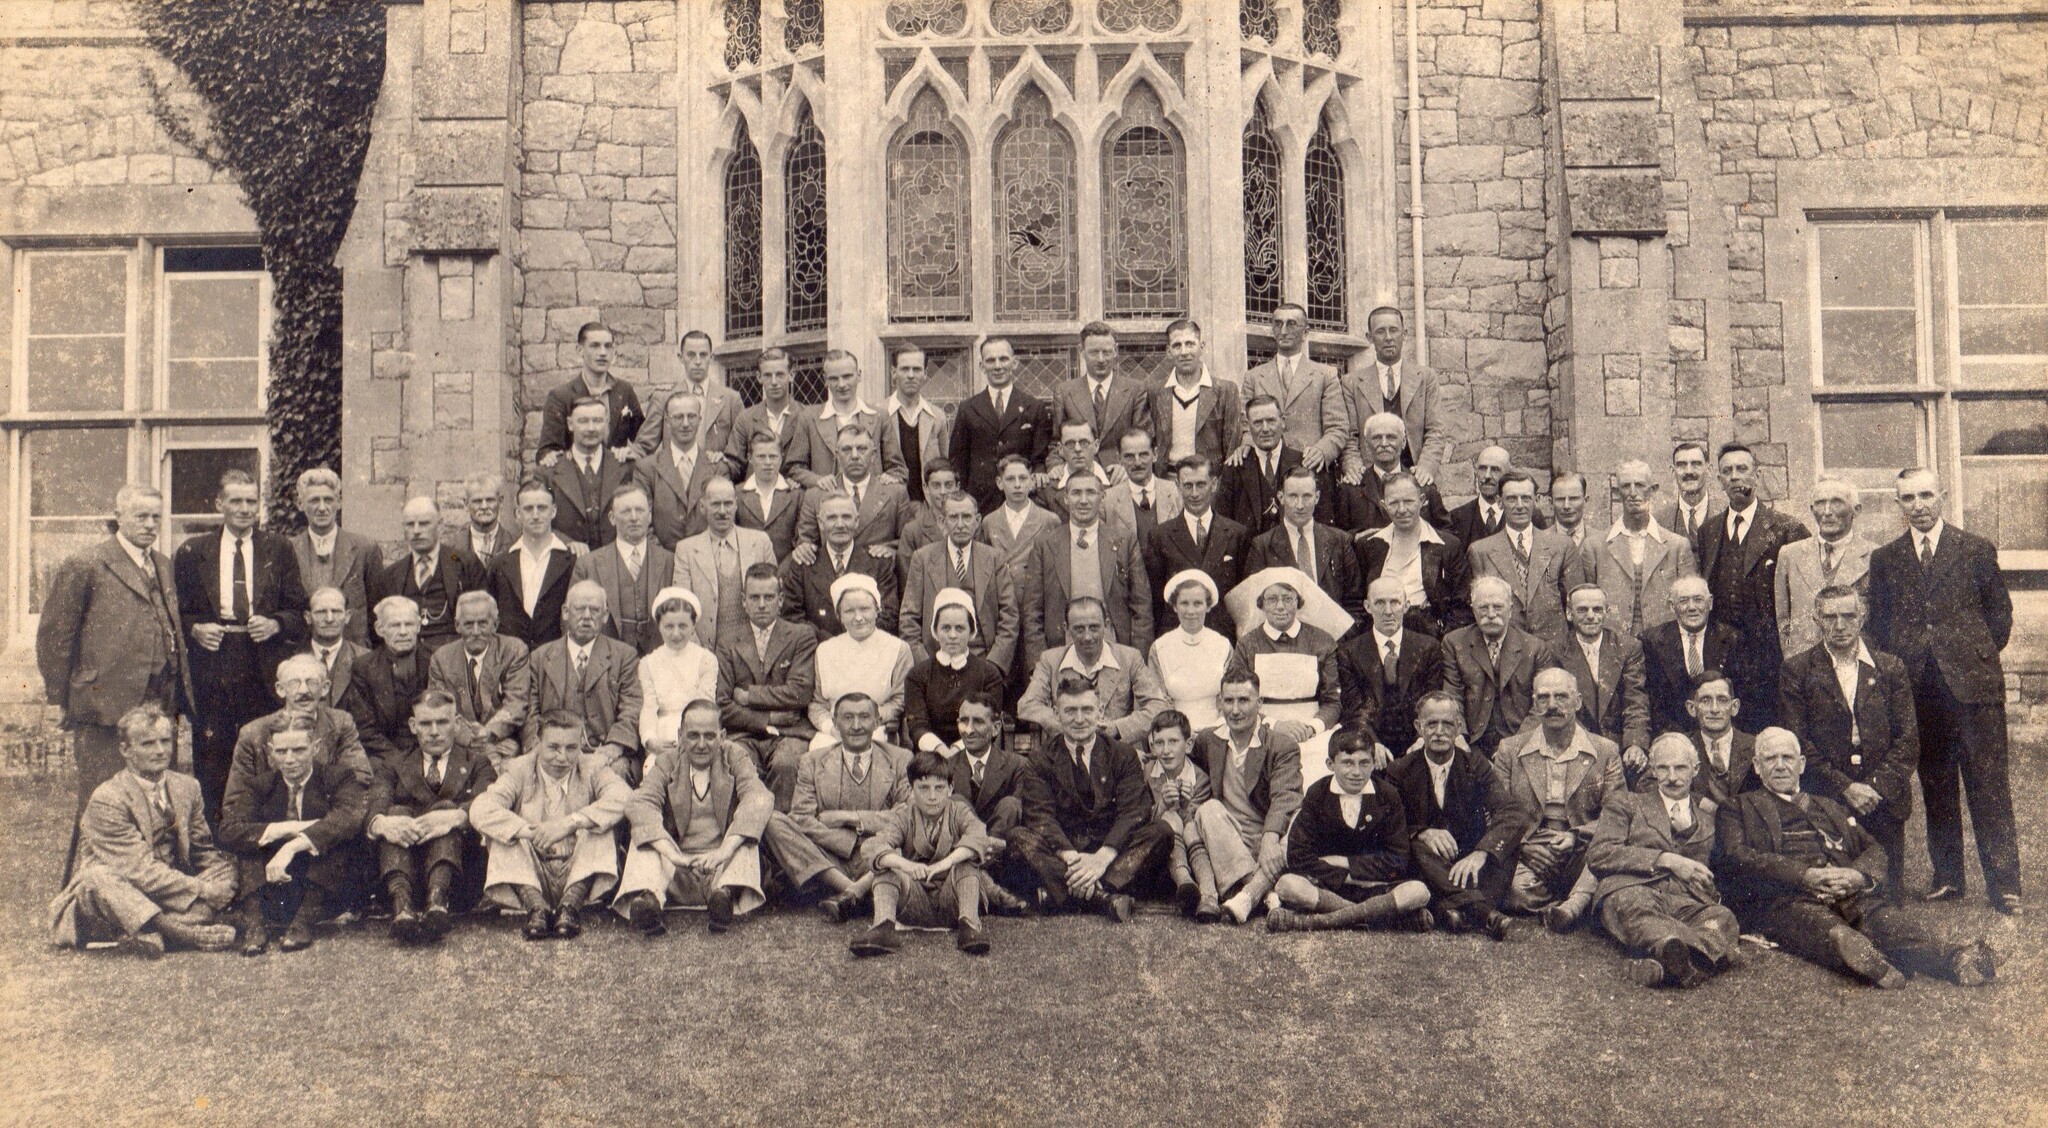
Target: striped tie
x=1521, y=552
x=959, y=568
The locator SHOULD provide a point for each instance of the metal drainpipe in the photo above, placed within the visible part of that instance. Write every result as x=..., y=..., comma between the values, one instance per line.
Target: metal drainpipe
x=1415, y=209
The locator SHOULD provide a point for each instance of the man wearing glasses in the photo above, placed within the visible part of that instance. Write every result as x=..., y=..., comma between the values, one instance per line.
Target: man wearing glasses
x=1311, y=397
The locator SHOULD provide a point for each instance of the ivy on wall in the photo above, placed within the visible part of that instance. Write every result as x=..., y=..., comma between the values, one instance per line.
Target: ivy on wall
x=289, y=87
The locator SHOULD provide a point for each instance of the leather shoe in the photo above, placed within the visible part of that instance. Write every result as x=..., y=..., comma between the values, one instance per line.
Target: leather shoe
x=1675, y=958
x=1208, y=911
x=1453, y=920
x=405, y=926
x=297, y=937
x=255, y=938
x=645, y=916
x=880, y=939
x=1561, y=917
x=147, y=945
x=1189, y=896
x=838, y=908
x=971, y=939
x=435, y=923
x=1646, y=972
x=1120, y=907
x=718, y=911
x=568, y=923
x=1973, y=965
x=1421, y=920
x=539, y=925
x=1495, y=925
x=1943, y=891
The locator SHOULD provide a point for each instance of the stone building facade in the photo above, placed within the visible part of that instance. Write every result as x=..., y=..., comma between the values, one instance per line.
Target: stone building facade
x=1820, y=228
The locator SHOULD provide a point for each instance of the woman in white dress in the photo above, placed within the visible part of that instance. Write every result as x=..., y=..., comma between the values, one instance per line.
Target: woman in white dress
x=1189, y=662
x=863, y=660
x=678, y=671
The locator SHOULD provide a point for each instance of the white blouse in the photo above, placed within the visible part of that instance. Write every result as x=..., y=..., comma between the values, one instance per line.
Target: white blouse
x=878, y=667
x=669, y=681
x=1190, y=667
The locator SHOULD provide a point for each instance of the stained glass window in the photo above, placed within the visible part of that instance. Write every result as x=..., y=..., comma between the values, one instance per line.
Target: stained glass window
x=927, y=202
x=806, y=377
x=1034, y=214
x=805, y=26
x=1131, y=15
x=1262, y=258
x=1041, y=369
x=1144, y=228
x=914, y=17
x=1145, y=362
x=744, y=378
x=1257, y=19
x=803, y=185
x=743, y=238
x=1018, y=17
x=1328, y=254
x=742, y=33
x=1319, y=34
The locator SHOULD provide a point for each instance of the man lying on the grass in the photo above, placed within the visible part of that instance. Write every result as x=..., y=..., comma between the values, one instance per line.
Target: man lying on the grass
x=928, y=856
x=697, y=816
x=548, y=821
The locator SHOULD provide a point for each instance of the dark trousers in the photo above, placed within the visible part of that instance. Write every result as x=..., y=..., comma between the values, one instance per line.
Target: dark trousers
x=1888, y=826
x=1145, y=850
x=1801, y=926
x=416, y=863
x=232, y=692
x=315, y=884
x=1963, y=753
x=1472, y=903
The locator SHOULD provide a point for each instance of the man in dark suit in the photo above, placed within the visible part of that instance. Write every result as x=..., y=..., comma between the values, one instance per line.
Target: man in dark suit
x=1437, y=581
x=881, y=506
x=1726, y=752
x=1088, y=831
x=777, y=414
x=1492, y=665
x=585, y=477
x=385, y=682
x=486, y=535
x=1464, y=824
x=1739, y=559
x=1852, y=709
x=1200, y=539
x=1690, y=510
x=418, y=815
x=999, y=420
x=1085, y=557
x=1113, y=404
x=294, y=824
x=768, y=501
x=623, y=415
x=1690, y=643
x=1357, y=504
x=110, y=640
x=532, y=579
x=1250, y=490
x=1802, y=872
x=766, y=679
x=675, y=472
x=1939, y=602
x=807, y=586
x=429, y=573
x=592, y=677
x=988, y=776
x=240, y=598
x=1608, y=666
x=1194, y=413
x=1483, y=516
x=1370, y=698
x=327, y=616
x=1299, y=541
x=331, y=556
x=630, y=569
x=485, y=672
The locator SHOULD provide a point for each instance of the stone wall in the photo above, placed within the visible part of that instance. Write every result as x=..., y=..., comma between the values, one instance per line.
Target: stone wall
x=597, y=191
x=1484, y=199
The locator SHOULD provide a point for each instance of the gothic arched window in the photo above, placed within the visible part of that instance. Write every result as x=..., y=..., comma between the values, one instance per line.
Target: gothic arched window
x=1263, y=262
x=1022, y=17
x=743, y=238
x=1319, y=34
x=1034, y=214
x=928, y=209
x=915, y=17
x=1328, y=253
x=1130, y=15
x=1144, y=226
x=803, y=188
x=742, y=33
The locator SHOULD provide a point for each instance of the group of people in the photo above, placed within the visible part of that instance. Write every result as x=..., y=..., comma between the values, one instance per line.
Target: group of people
x=925, y=667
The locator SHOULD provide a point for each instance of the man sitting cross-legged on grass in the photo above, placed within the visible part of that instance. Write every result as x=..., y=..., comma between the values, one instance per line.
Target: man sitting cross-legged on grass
x=844, y=791
x=1801, y=871
x=148, y=874
x=547, y=821
x=1088, y=829
x=419, y=817
x=1565, y=774
x=1255, y=776
x=927, y=861
x=1179, y=786
x=1464, y=824
x=697, y=816
x=1347, y=855
x=1656, y=894
x=295, y=825
x=990, y=778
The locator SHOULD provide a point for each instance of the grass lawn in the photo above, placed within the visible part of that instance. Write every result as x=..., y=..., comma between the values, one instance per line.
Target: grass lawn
x=1069, y=1021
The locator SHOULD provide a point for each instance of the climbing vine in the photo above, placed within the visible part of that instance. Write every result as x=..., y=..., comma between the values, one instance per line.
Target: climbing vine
x=288, y=88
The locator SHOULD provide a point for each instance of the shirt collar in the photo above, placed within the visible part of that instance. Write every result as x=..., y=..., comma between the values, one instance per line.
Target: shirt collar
x=1258, y=739
x=1933, y=535
x=1383, y=639
x=781, y=483
x=894, y=405
x=1204, y=381
x=1863, y=657
x=1652, y=530
x=860, y=408
x=1423, y=531
x=951, y=663
x=323, y=540
x=1293, y=630
x=554, y=545
x=1074, y=531
x=1073, y=660
x=1340, y=793
x=1094, y=383
x=1581, y=745
x=1748, y=515
x=575, y=648
x=139, y=555
x=691, y=454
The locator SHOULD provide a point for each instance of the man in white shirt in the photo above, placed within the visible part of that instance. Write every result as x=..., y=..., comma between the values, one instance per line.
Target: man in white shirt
x=530, y=580
x=915, y=432
x=1568, y=505
x=843, y=406
x=327, y=618
x=1689, y=510
x=330, y=555
x=1153, y=498
x=1310, y=394
x=1636, y=561
x=1395, y=383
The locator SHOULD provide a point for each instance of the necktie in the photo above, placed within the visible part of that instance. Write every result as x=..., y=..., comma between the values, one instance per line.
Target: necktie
x=1694, y=662
x=434, y=769
x=1389, y=662
x=1303, y=556
x=161, y=797
x=422, y=567
x=860, y=767
x=632, y=558
x=298, y=801
x=1926, y=551
x=1201, y=533
x=241, y=584
x=1391, y=387
x=1492, y=513
x=979, y=767
x=1269, y=458
x=1735, y=529
x=1717, y=754
x=1681, y=818
x=476, y=694
x=1521, y=548
x=838, y=563
x=581, y=659
x=1101, y=401
x=1692, y=523
x=959, y=568
x=1827, y=559
x=1145, y=498
x=761, y=645
x=1081, y=542
x=1002, y=403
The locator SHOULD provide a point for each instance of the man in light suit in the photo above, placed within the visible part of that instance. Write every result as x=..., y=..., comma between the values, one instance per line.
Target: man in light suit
x=1199, y=538
x=1078, y=451
x=593, y=677
x=1194, y=413
x=769, y=502
x=675, y=472
x=714, y=564
x=1492, y=666
x=547, y=822
x=530, y=581
x=777, y=414
x=110, y=638
x=331, y=556
x=1636, y=561
x=1085, y=557
x=1311, y=395
x=998, y=421
x=1839, y=556
x=915, y=432
x=486, y=674
x=807, y=583
x=585, y=477
x=630, y=569
x=843, y=407
x=881, y=506
x=1128, y=693
x=844, y=792
x=721, y=405
x=697, y=817
x=1369, y=695
x=1657, y=898
x=148, y=874
x=1398, y=385
x=960, y=561
x=1739, y=559
x=486, y=535
x=766, y=679
x=1244, y=826
x=327, y=616
x=1566, y=776
x=1110, y=404
x=1533, y=561
x=1153, y=498
x=1608, y=667
x=1939, y=602
x=1675, y=653
x=429, y=572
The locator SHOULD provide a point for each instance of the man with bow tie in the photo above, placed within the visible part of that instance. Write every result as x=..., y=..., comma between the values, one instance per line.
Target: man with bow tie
x=418, y=815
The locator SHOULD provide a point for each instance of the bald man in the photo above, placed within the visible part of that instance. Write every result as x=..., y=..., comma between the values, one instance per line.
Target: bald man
x=431, y=574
